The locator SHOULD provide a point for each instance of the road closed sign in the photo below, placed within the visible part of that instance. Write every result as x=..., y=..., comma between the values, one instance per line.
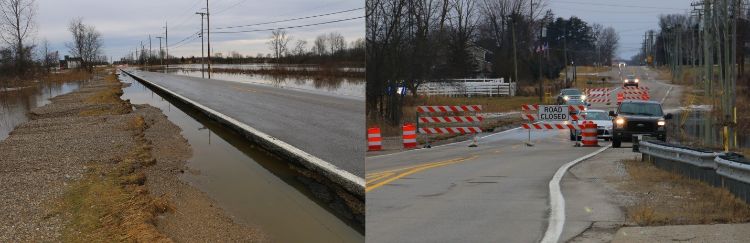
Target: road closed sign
x=554, y=113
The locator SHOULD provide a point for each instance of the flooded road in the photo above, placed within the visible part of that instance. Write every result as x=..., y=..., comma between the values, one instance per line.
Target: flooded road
x=253, y=186
x=15, y=104
x=352, y=87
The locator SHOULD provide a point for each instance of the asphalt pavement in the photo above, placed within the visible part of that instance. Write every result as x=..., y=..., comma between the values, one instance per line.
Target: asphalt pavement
x=329, y=127
x=497, y=192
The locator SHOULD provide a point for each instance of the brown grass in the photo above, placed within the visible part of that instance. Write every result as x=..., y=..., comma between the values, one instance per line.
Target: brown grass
x=666, y=198
x=107, y=101
x=112, y=203
x=68, y=76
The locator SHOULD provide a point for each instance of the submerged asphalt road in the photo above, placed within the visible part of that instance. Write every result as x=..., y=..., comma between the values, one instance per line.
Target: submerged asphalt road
x=497, y=192
x=329, y=127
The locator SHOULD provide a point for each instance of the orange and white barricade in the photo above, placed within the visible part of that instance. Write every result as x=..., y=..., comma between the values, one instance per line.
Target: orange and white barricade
x=409, y=136
x=598, y=95
x=374, y=140
x=469, y=117
x=589, y=134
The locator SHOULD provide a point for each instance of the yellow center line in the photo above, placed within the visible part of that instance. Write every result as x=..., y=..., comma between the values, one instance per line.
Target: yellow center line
x=406, y=168
x=418, y=169
x=376, y=178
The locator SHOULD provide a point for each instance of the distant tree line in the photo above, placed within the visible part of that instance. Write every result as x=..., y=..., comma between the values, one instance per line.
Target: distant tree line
x=410, y=42
x=327, y=48
x=21, y=58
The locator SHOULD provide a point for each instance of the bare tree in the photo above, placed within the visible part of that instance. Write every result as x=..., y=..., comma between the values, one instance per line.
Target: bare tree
x=49, y=58
x=607, y=43
x=278, y=43
x=17, y=28
x=336, y=43
x=300, y=48
x=87, y=43
x=320, y=46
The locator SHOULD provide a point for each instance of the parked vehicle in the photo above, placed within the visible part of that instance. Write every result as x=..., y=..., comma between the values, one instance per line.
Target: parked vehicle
x=603, y=125
x=638, y=117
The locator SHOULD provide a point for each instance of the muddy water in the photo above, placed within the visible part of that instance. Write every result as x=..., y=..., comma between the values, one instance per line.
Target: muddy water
x=15, y=104
x=351, y=87
x=693, y=125
x=251, y=185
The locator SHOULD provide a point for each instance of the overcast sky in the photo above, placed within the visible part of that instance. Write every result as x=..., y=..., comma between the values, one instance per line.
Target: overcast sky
x=124, y=24
x=630, y=18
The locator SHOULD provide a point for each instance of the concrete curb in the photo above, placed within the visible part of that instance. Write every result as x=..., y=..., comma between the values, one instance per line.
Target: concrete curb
x=345, y=179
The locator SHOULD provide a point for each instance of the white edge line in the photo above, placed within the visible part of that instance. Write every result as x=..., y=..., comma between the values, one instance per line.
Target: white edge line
x=557, y=201
x=320, y=163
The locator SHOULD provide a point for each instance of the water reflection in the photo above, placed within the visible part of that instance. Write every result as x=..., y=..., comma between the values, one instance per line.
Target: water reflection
x=691, y=128
x=16, y=103
x=346, y=86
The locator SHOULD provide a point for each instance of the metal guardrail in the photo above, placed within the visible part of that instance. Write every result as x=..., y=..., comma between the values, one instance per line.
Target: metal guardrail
x=728, y=171
x=736, y=170
x=692, y=157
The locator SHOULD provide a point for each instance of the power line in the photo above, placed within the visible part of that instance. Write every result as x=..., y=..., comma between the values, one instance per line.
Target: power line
x=288, y=20
x=232, y=6
x=290, y=27
x=619, y=5
x=186, y=38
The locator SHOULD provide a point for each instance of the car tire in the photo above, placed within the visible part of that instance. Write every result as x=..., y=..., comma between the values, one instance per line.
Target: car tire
x=616, y=143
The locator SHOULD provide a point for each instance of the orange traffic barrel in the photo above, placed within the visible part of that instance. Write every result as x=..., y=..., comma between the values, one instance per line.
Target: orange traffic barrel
x=588, y=135
x=410, y=136
x=374, y=140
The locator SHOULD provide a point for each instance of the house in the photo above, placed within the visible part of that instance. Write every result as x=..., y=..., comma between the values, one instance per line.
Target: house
x=70, y=63
x=482, y=59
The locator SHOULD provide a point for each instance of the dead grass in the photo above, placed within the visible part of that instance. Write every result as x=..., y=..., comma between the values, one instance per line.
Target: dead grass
x=107, y=101
x=111, y=203
x=666, y=198
x=68, y=76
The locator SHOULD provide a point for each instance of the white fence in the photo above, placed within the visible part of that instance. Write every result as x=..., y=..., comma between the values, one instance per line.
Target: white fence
x=468, y=87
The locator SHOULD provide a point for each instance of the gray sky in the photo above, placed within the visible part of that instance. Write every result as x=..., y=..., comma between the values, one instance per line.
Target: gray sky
x=124, y=24
x=630, y=18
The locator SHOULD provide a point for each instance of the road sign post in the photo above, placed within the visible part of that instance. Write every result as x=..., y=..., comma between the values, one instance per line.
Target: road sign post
x=550, y=113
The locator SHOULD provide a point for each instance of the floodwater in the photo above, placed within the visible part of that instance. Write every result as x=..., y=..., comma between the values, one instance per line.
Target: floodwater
x=252, y=186
x=692, y=125
x=352, y=87
x=15, y=104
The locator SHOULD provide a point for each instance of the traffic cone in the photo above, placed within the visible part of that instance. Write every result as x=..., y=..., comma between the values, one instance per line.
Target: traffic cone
x=474, y=142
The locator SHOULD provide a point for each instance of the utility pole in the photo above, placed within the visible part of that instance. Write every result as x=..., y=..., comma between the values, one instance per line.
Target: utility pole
x=208, y=29
x=150, y=52
x=166, y=40
x=161, y=53
x=565, y=52
x=202, y=52
x=515, y=57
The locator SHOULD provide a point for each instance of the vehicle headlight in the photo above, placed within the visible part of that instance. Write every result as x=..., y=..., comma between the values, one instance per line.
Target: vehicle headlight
x=620, y=122
x=637, y=80
x=566, y=97
x=625, y=81
x=661, y=123
x=583, y=97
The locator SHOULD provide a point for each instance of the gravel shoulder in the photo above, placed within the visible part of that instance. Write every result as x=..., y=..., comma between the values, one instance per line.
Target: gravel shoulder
x=92, y=166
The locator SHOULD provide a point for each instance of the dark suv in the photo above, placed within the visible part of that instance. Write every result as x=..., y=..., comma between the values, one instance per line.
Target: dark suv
x=636, y=117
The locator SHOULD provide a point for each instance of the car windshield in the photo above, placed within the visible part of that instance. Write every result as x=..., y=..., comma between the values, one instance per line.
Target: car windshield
x=631, y=77
x=643, y=109
x=596, y=115
x=571, y=92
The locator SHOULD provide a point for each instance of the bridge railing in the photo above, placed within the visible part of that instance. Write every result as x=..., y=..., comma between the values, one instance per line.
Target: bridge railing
x=728, y=171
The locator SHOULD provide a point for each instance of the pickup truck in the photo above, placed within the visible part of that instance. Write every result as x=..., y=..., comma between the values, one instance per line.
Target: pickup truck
x=637, y=117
